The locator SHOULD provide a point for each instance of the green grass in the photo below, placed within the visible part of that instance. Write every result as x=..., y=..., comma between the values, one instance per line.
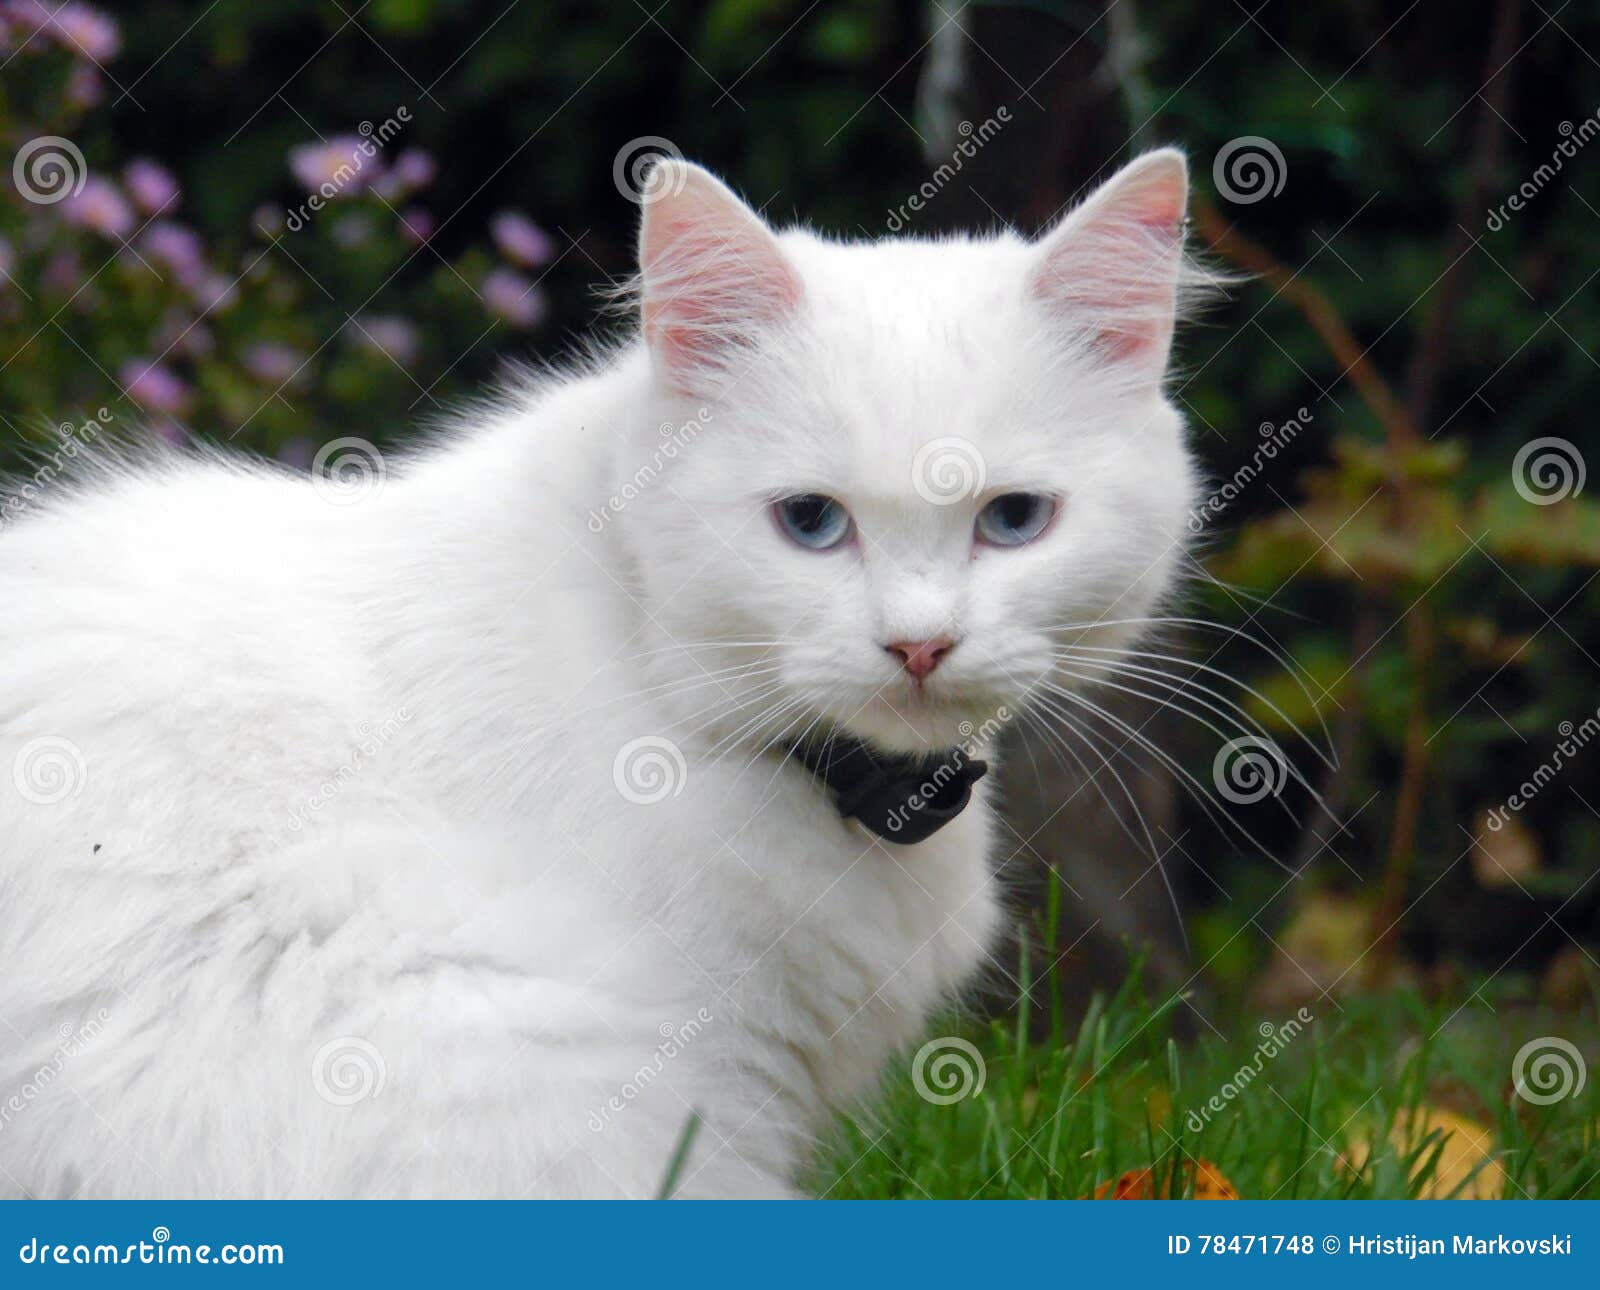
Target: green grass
x=1056, y=1118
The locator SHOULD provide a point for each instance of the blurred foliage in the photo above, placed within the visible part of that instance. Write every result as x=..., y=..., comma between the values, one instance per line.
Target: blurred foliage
x=1441, y=623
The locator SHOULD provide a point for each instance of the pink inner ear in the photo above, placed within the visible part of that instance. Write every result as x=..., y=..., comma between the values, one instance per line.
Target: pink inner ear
x=1111, y=270
x=713, y=274
x=1159, y=207
x=705, y=286
x=1117, y=279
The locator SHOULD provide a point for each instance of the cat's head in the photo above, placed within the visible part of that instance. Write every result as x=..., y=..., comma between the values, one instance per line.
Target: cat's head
x=904, y=472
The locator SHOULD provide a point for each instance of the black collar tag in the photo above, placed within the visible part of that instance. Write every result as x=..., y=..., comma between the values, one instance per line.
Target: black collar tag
x=900, y=798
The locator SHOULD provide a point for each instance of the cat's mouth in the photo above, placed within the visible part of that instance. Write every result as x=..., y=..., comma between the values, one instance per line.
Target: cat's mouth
x=915, y=718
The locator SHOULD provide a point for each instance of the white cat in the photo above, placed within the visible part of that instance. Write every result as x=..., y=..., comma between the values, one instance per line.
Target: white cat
x=436, y=832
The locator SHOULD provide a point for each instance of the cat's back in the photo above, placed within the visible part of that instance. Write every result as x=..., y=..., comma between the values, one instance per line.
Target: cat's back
x=184, y=600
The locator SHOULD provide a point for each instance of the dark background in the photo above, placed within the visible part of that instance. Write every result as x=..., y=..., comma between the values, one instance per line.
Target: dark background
x=1425, y=624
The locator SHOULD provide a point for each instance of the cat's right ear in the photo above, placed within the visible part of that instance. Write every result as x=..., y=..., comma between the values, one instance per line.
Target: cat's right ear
x=1110, y=271
x=711, y=274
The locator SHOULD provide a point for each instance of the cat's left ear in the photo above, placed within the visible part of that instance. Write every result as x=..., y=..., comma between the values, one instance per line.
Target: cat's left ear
x=1109, y=271
x=712, y=275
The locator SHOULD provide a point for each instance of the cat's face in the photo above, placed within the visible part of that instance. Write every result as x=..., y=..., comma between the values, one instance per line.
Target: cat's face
x=906, y=473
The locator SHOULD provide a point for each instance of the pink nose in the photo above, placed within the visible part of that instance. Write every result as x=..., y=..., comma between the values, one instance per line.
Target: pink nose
x=921, y=657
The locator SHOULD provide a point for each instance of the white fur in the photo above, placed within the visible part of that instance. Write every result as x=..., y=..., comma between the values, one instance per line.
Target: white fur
x=450, y=667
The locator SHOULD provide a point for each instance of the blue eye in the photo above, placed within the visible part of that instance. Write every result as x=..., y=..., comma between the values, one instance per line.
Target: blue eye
x=1015, y=519
x=813, y=521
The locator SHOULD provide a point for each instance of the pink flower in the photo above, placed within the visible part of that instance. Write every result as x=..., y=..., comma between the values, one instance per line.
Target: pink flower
x=415, y=168
x=416, y=225
x=154, y=387
x=99, y=207
x=151, y=186
x=267, y=220
x=510, y=295
x=177, y=248
x=274, y=363
x=62, y=273
x=214, y=293
x=85, y=31
x=521, y=240
x=178, y=332
x=411, y=170
x=386, y=334
x=85, y=89
x=344, y=164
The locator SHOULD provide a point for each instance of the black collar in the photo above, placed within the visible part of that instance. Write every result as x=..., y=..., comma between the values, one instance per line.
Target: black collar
x=901, y=798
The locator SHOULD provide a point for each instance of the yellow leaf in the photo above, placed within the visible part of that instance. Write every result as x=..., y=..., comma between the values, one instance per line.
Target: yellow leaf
x=1206, y=1181
x=1462, y=1146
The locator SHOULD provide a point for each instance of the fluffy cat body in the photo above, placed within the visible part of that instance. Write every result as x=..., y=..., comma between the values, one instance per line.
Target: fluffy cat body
x=437, y=840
